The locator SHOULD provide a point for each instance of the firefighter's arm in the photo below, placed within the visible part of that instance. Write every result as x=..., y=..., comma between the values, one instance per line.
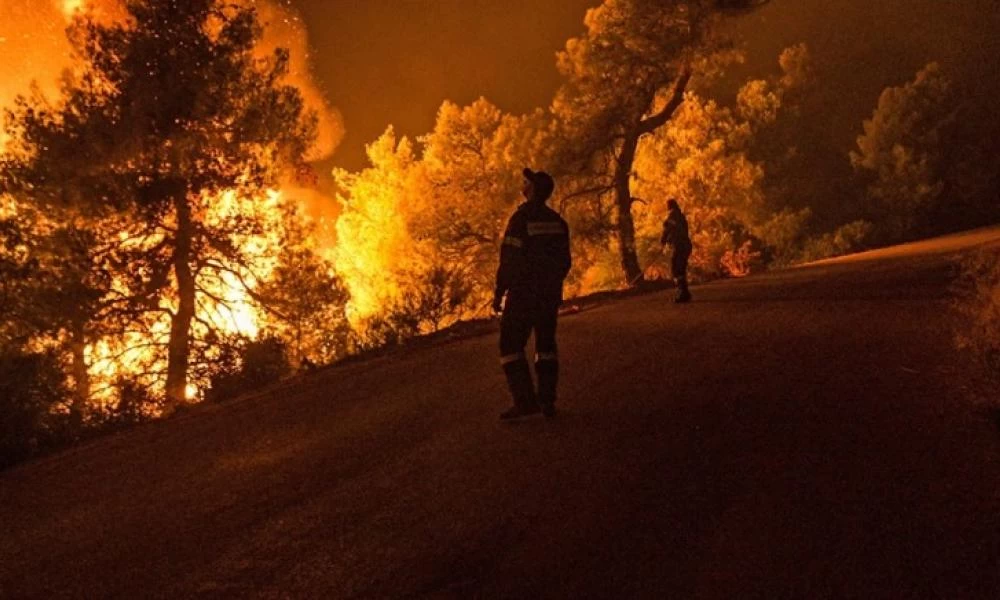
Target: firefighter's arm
x=668, y=232
x=511, y=258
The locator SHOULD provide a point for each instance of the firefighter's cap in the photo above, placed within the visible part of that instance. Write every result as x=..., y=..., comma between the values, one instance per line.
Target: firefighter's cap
x=543, y=182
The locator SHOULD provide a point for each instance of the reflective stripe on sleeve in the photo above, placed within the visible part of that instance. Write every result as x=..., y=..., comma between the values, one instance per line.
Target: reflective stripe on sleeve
x=513, y=241
x=546, y=356
x=510, y=358
x=545, y=228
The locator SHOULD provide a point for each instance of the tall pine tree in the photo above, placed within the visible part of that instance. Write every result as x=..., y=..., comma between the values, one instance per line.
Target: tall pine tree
x=170, y=108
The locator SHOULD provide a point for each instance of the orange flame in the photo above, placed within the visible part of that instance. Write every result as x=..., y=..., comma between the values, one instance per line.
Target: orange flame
x=34, y=51
x=69, y=7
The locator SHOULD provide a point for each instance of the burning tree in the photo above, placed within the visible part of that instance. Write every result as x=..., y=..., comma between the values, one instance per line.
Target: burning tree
x=171, y=114
x=706, y=156
x=422, y=226
x=625, y=78
x=305, y=298
x=472, y=162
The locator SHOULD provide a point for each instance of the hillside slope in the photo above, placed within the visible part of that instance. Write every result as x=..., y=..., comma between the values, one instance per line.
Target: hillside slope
x=807, y=433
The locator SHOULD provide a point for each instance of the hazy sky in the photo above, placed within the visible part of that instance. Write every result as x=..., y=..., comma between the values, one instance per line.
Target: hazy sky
x=395, y=61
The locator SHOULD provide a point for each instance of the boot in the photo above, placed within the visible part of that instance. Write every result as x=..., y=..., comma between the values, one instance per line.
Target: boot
x=548, y=379
x=683, y=294
x=522, y=390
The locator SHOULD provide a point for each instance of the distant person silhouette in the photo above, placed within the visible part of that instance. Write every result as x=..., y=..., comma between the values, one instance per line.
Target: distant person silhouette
x=675, y=235
x=534, y=261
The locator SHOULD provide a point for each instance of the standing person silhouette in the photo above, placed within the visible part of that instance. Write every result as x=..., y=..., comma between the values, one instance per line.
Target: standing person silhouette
x=675, y=235
x=534, y=261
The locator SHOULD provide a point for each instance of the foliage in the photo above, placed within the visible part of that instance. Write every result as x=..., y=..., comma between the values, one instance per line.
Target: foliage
x=979, y=308
x=625, y=78
x=627, y=63
x=471, y=167
x=146, y=254
x=131, y=404
x=172, y=109
x=305, y=299
x=138, y=220
x=925, y=162
x=845, y=239
x=704, y=157
x=30, y=392
x=443, y=200
x=421, y=227
x=373, y=232
x=433, y=301
x=17, y=266
x=899, y=151
x=61, y=296
x=257, y=363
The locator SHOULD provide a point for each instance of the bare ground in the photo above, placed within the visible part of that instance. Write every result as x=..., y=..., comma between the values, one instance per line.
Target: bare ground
x=810, y=433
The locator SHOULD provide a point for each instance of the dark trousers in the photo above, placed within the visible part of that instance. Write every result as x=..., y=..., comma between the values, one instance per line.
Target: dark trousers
x=522, y=314
x=679, y=266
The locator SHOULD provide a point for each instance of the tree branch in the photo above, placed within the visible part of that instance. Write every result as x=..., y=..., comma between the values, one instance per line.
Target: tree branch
x=254, y=295
x=654, y=122
x=600, y=191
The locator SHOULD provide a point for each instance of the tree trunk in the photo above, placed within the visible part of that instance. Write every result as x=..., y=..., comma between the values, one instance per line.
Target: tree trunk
x=179, y=345
x=296, y=358
x=623, y=201
x=623, y=176
x=81, y=377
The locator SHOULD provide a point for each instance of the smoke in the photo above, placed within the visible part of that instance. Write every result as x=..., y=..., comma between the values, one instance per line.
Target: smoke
x=285, y=29
x=33, y=47
x=34, y=51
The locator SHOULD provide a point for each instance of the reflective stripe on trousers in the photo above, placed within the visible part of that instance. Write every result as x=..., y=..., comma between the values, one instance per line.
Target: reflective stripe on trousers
x=512, y=358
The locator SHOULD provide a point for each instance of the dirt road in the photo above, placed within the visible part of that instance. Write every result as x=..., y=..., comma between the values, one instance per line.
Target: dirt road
x=809, y=433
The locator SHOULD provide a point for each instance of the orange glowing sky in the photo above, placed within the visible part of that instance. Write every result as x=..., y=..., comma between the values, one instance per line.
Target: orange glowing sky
x=395, y=61
x=33, y=48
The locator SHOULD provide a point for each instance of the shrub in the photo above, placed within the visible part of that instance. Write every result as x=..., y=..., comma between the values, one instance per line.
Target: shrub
x=741, y=261
x=133, y=404
x=31, y=388
x=979, y=307
x=433, y=300
x=846, y=239
x=260, y=362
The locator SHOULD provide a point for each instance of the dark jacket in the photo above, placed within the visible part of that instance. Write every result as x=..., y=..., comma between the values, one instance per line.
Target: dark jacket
x=534, y=258
x=675, y=230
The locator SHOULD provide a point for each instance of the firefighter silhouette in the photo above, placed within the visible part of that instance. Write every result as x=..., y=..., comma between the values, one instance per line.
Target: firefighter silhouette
x=534, y=261
x=675, y=235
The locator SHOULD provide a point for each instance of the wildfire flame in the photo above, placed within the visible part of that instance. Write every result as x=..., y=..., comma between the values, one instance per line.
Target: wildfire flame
x=34, y=52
